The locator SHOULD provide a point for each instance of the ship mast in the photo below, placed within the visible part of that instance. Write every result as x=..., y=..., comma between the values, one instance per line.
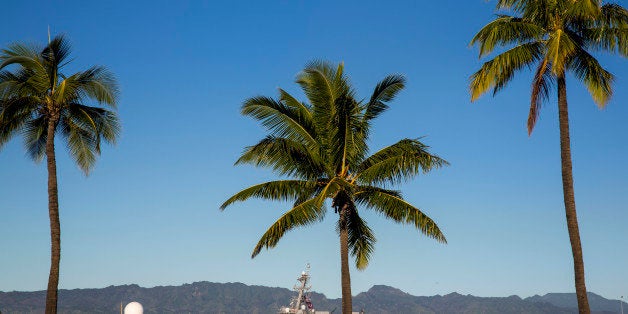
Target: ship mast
x=305, y=276
x=302, y=304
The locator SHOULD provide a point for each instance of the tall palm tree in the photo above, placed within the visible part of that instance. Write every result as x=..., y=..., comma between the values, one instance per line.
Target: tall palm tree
x=39, y=101
x=322, y=147
x=554, y=37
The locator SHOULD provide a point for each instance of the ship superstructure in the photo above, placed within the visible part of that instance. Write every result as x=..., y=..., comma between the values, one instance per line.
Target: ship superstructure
x=302, y=304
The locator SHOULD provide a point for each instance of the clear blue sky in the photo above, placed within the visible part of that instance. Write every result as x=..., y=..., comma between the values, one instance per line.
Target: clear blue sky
x=148, y=214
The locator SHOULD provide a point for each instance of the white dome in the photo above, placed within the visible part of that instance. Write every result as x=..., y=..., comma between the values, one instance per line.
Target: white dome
x=133, y=308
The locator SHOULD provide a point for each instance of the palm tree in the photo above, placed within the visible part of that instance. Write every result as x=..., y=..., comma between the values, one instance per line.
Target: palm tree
x=322, y=147
x=554, y=37
x=39, y=101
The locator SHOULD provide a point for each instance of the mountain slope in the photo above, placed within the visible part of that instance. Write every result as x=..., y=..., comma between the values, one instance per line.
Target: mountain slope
x=207, y=297
x=568, y=300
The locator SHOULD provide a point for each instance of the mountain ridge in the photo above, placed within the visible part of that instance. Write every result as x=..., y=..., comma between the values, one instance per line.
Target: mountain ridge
x=236, y=297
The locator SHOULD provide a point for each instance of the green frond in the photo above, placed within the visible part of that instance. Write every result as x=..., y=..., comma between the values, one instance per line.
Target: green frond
x=82, y=142
x=361, y=240
x=348, y=143
x=324, y=77
x=332, y=187
x=282, y=190
x=25, y=55
x=284, y=156
x=398, y=162
x=560, y=47
x=610, y=31
x=97, y=83
x=384, y=92
x=10, y=84
x=282, y=120
x=103, y=123
x=301, y=215
x=506, y=30
x=57, y=51
x=397, y=209
x=323, y=84
x=581, y=11
x=35, y=132
x=609, y=39
x=537, y=11
x=21, y=49
x=496, y=73
x=302, y=108
x=24, y=61
x=518, y=6
x=597, y=80
x=22, y=83
x=14, y=113
x=320, y=93
x=614, y=15
x=317, y=82
x=541, y=87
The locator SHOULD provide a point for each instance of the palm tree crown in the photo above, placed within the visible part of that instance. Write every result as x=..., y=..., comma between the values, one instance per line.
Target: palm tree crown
x=553, y=37
x=322, y=147
x=36, y=93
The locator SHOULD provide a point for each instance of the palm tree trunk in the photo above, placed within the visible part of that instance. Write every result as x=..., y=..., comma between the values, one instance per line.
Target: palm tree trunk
x=55, y=228
x=347, y=307
x=569, y=198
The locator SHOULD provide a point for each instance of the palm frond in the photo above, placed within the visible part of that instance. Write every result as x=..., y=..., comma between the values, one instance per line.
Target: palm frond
x=384, y=92
x=397, y=209
x=21, y=49
x=613, y=16
x=581, y=12
x=541, y=87
x=103, y=123
x=282, y=120
x=506, y=30
x=332, y=188
x=610, y=31
x=496, y=73
x=284, y=156
x=537, y=11
x=597, y=80
x=56, y=52
x=96, y=83
x=345, y=140
x=361, y=240
x=323, y=84
x=304, y=108
x=14, y=113
x=282, y=190
x=21, y=83
x=10, y=84
x=82, y=141
x=317, y=82
x=560, y=47
x=519, y=6
x=35, y=132
x=25, y=55
x=398, y=162
x=301, y=215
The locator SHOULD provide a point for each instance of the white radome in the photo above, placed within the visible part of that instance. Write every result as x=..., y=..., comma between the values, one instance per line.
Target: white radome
x=133, y=308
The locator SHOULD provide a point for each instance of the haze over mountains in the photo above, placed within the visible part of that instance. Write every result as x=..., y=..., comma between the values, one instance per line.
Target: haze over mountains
x=208, y=297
